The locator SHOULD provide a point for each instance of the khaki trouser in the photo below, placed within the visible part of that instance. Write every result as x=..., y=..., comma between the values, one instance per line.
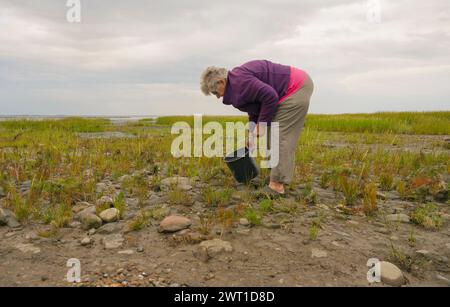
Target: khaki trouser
x=290, y=115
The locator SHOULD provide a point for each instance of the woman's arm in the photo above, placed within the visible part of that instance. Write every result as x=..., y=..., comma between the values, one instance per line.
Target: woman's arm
x=258, y=91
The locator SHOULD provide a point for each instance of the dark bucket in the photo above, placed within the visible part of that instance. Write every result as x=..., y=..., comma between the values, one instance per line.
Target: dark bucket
x=242, y=165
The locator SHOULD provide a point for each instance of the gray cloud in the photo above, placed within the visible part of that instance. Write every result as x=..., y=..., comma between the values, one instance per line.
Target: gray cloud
x=145, y=57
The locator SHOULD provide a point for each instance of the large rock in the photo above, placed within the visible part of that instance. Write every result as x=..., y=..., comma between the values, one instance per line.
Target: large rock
x=183, y=183
x=174, y=223
x=89, y=221
x=88, y=210
x=212, y=248
x=398, y=217
x=110, y=215
x=109, y=228
x=8, y=218
x=113, y=241
x=391, y=274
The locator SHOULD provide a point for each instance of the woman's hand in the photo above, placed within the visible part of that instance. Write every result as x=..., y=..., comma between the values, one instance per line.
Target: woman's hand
x=259, y=130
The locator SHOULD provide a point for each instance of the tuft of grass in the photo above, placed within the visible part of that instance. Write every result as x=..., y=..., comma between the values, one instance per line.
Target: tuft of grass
x=412, y=238
x=370, y=199
x=206, y=223
x=139, y=222
x=58, y=216
x=428, y=216
x=266, y=205
x=401, y=258
x=177, y=196
x=386, y=181
x=314, y=230
x=215, y=198
x=119, y=204
x=350, y=187
x=252, y=216
x=309, y=195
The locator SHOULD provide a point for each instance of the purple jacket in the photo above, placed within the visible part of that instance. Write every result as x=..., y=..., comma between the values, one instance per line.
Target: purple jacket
x=256, y=87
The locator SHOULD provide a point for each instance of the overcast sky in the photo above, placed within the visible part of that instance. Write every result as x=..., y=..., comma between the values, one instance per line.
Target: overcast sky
x=146, y=57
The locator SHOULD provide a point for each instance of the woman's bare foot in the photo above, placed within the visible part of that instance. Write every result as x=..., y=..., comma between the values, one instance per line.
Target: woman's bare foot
x=276, y=186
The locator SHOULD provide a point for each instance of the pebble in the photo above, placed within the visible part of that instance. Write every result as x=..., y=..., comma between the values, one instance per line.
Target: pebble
x=317, y=253
x=244, y=222
x=86, y=241
x=32, y=236
x=105, y=200
x=126, y=252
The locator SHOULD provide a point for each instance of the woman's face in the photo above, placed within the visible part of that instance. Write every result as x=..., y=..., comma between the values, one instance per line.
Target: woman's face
x=220, y=89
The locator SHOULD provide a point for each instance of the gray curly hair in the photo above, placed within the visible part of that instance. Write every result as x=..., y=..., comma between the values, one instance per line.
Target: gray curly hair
x=210, y=77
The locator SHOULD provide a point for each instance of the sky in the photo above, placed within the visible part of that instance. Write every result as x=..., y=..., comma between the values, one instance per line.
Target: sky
x=146, y=57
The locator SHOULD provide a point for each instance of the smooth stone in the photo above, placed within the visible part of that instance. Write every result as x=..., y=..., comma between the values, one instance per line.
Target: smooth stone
x=317, y=253
x=32, y=236
x=110, y=215
x=86, y=241
x=126, y=252
x=243, y=232
x=244, y=222
x=174, y=223
x=113, y=241
x=212, y=248
x=391, y=274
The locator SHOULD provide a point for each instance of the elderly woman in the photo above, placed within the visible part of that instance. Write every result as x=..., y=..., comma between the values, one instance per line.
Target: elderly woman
x=267, y=92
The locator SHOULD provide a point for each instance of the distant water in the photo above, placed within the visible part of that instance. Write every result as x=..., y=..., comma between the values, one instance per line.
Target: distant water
x=113, y=119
